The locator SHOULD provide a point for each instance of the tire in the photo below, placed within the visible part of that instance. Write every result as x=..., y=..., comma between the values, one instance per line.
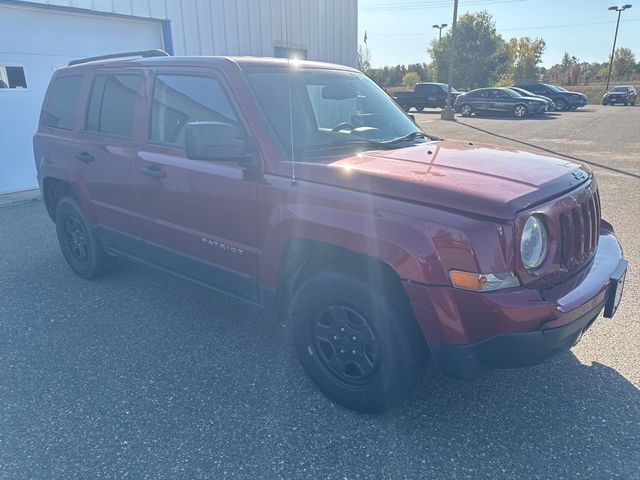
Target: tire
x=562, y=104
x=466, y=110
x=520, y=111
x=605, y=103
x=81, y=249
x=626, y=103
x=419, y=109
x=354, y=342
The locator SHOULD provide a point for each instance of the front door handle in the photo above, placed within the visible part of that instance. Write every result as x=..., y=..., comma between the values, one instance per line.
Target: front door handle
x=154, y=172
x=85, y=157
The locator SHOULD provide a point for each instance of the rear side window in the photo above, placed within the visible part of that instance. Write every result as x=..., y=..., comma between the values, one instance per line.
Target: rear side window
x=181, y=99
x=63, y=101
x=112, y=104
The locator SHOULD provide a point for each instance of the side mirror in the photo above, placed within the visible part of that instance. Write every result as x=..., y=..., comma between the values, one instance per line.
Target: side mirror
x=212, y=141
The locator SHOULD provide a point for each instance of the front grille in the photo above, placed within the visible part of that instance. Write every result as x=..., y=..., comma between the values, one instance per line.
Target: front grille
x=579, y=232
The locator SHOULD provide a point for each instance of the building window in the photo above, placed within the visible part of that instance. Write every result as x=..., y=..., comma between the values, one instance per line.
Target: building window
x=181, y=99
x=288, y=52
x=12, y=77
x=112, y=104
x=61, y=106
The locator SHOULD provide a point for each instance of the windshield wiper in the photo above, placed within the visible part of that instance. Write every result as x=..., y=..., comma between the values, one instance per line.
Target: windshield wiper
x=406, y=138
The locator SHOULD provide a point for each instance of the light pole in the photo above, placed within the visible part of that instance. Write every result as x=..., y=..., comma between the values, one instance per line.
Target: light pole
x=440, y=27
x=447, y=111
x=615, y=8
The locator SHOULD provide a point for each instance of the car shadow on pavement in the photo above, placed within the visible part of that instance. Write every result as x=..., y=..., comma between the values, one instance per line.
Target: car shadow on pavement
x=554, y=152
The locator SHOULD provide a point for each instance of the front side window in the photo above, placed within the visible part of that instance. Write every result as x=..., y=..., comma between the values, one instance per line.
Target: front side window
x=329, y=109
x=181, y=99
x=112, y=104
x=62, y=103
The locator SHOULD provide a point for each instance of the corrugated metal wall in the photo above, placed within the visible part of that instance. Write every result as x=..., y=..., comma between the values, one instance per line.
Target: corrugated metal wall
x=326, y=28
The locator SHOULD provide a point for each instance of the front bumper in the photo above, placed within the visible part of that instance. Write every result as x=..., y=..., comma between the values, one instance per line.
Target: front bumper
x=470, y=332
x=577, y=101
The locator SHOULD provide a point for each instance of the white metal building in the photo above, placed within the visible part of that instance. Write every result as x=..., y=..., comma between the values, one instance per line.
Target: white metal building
x=38, y=36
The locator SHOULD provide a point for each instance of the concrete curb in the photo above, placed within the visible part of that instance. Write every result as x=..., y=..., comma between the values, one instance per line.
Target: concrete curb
x=20, y=197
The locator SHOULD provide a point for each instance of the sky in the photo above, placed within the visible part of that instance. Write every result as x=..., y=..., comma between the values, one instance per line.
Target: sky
x=399, y=31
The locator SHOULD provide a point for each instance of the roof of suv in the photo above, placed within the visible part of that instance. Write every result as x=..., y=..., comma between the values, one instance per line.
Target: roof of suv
x=213, y=61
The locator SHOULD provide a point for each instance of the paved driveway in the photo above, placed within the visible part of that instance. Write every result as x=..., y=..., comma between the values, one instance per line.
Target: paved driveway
x=143, y=375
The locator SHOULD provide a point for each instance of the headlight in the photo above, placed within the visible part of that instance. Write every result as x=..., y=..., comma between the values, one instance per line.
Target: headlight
x=533, y=243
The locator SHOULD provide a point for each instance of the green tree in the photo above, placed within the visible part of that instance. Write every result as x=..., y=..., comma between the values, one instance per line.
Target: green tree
x=624, y=63
x=410, y=79
x=481, y=56
x=525, y=54
x=422, y=69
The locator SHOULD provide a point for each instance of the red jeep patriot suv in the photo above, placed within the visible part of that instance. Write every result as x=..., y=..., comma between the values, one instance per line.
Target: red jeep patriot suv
x=303, y=188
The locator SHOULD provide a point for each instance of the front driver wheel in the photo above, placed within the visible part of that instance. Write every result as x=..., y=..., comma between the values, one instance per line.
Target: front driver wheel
x=520, y=111
x=79, y=245
x=466, y=110
x=353, y=341
x=562, y=104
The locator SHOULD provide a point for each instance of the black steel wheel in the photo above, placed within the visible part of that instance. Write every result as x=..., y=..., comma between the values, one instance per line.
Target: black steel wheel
x=345, y=344
x=80, y=247
x=356, y=342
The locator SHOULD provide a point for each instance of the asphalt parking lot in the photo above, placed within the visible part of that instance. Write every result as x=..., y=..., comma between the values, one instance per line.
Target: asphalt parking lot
x=143, y=375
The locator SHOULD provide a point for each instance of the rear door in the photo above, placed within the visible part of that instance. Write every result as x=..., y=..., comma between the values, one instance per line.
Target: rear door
x=200, y=216
x=106, y=151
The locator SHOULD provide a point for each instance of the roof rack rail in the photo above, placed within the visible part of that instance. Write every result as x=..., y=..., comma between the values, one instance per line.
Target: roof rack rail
x=142, y=53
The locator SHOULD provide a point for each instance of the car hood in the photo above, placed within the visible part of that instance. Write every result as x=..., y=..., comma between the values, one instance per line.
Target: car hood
x=475, y=178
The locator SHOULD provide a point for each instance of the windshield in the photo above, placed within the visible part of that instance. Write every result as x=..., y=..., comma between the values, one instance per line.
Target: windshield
x=522, y=92
x=557, y=88
x=330, y=109
x=620, y=89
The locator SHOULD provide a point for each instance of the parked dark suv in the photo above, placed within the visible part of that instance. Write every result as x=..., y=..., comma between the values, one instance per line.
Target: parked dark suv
x=304, y=189
x=627, y=95
x=564, y=99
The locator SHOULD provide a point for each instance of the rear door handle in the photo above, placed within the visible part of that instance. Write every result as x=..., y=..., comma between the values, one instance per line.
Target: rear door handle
x=154, y=172
x=85, y=157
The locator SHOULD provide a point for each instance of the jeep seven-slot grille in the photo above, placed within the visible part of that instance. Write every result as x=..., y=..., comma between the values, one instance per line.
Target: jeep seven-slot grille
x=579, y=232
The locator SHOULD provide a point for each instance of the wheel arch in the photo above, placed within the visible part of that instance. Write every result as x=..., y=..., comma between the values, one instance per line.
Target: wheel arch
x=53, y=190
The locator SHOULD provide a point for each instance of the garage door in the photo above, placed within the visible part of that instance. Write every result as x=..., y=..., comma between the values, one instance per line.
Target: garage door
x=33, y=43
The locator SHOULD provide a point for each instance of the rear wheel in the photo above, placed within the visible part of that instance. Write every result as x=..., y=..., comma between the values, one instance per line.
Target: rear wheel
x=520, y=111
x=466, y=110
x=79, y=245
x=353, y=341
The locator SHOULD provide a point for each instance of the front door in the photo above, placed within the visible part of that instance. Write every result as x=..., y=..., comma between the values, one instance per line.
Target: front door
x=200, y=216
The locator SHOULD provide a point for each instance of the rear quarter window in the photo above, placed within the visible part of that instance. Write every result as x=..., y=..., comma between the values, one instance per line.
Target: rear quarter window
x=63, y=100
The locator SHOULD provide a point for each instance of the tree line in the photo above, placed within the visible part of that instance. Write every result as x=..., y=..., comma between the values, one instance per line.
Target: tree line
x=484, y=57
